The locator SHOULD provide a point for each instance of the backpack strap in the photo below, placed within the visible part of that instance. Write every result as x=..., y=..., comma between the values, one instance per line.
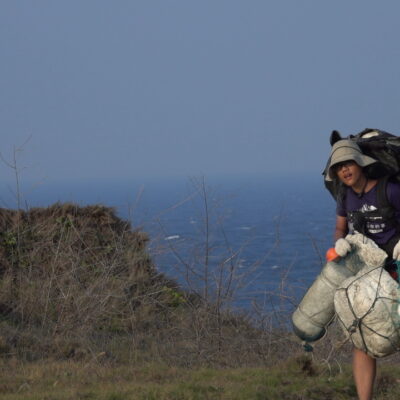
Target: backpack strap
x=384, y=204
x=381, y=193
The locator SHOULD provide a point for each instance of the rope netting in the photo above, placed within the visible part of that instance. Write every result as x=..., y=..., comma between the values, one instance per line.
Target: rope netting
x=368, y=309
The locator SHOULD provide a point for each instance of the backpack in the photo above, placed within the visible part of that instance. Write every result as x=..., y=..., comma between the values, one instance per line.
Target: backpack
x=378, y=144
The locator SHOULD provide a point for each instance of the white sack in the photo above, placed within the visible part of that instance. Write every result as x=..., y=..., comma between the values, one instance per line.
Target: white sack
x=368, y=309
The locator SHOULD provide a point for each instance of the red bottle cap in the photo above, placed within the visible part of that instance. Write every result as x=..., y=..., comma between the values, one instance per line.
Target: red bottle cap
x=331, y=254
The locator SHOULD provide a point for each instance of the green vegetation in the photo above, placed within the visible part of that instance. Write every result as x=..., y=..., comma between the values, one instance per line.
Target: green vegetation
x=295, y=379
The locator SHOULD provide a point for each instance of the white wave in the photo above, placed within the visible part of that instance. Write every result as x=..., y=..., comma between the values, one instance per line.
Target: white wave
x=172, y=237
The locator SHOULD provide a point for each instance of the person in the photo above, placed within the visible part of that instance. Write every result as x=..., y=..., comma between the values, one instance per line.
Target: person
x=361, y=209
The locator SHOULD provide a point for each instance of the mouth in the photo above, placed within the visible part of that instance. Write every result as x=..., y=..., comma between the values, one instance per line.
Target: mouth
x=347, y=177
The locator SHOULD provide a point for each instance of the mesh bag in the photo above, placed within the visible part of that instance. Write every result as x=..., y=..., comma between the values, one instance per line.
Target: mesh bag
x=367, y=307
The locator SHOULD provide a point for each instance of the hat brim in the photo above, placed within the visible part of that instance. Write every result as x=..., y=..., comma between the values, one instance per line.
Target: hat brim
x=361, y=159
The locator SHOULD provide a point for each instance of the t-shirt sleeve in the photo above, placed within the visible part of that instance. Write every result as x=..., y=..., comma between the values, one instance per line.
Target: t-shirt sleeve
x=393, y=195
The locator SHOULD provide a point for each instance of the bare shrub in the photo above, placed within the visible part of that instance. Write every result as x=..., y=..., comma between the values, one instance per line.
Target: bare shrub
x=74, y=273
x=216, y=330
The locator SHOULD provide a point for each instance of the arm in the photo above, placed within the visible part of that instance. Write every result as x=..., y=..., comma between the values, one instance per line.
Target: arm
x=341, y=228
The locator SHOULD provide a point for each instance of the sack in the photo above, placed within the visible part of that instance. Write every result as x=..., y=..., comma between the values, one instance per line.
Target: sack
x=380, y=145
x=316, y=310
x=367, y=306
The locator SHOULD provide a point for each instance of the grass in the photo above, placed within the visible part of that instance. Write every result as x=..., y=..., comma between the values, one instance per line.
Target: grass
x=297, y=378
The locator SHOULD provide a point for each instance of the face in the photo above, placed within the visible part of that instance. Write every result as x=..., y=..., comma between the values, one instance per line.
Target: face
x=349, y=172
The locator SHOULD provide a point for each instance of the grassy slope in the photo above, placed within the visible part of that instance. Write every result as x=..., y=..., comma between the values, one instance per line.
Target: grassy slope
x=295, y=379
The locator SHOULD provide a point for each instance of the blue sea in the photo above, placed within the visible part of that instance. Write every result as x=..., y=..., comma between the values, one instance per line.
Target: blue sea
x=252, y=240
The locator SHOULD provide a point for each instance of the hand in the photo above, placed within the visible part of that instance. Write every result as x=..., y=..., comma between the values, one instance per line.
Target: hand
x=396, y=252
x=342, y=247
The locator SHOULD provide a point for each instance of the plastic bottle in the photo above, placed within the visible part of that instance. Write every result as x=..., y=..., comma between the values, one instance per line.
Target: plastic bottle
x=316, y=309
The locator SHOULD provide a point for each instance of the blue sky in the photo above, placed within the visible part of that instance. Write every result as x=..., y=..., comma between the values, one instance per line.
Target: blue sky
x=120, y=90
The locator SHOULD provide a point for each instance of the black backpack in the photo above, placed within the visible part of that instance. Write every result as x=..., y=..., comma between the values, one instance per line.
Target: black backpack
x=378, y=144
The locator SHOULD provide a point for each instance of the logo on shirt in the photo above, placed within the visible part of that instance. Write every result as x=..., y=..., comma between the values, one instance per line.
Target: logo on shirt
x=373, y=223
x=367, y=208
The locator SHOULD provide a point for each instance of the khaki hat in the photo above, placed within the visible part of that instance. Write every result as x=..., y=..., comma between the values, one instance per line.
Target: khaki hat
x=345, y=150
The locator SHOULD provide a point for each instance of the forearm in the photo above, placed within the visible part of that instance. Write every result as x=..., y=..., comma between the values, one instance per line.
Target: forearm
x=341, y=228
x=340, y=233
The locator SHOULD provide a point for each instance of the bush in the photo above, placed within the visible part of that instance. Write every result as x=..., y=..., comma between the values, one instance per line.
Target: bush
x=71, y=274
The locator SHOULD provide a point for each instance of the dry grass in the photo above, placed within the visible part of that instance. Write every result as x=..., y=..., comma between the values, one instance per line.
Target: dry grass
x=72, y=277
x=76, y=282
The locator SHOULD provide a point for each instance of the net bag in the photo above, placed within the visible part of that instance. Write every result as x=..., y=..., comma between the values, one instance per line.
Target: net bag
x=368, y=311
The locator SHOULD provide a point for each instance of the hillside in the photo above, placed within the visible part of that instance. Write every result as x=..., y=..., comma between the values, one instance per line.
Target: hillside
x=79, y=281
x=72, y=277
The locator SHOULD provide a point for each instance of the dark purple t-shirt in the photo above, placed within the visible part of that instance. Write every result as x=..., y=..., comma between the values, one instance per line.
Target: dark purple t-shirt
x=368, y=202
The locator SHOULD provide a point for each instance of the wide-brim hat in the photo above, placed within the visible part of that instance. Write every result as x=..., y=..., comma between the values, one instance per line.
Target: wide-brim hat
x=346, y=150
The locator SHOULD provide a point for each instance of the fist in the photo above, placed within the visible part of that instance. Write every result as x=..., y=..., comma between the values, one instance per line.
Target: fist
x=342, y=247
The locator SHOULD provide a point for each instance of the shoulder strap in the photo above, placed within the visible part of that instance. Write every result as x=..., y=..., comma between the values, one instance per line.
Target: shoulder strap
x=381, y=193
x=341, y=194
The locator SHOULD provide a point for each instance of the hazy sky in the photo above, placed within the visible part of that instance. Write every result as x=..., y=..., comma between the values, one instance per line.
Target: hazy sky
x=115, y=90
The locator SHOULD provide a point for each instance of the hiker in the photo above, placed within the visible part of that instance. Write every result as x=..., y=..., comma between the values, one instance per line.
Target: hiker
x=362, y=209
